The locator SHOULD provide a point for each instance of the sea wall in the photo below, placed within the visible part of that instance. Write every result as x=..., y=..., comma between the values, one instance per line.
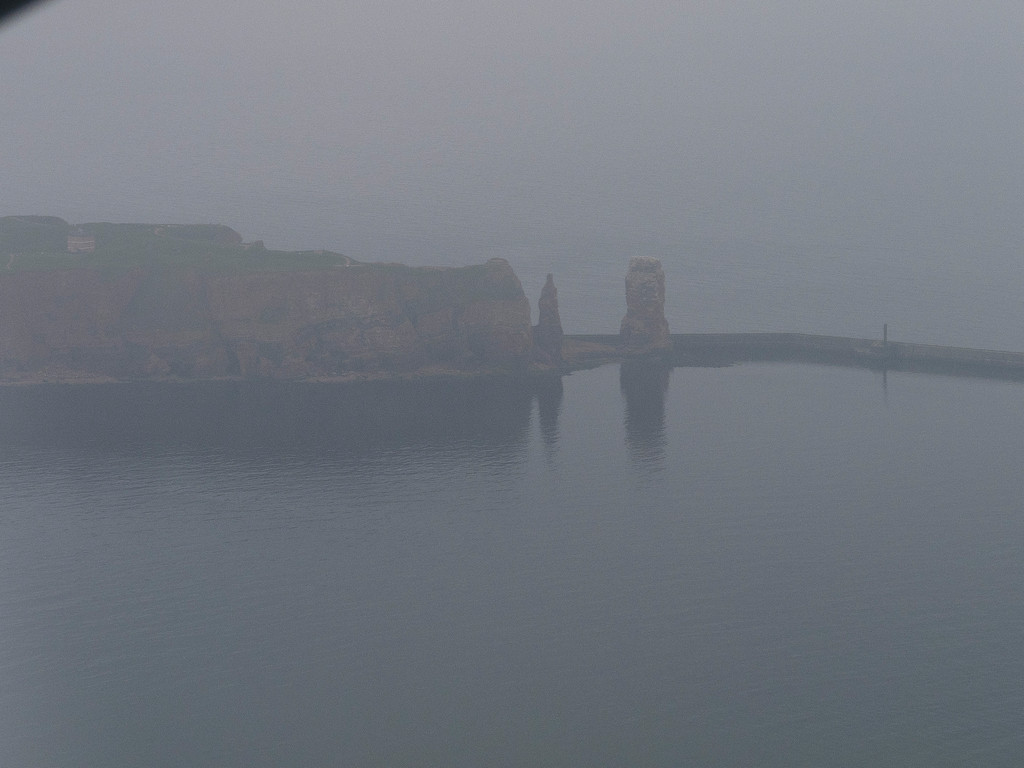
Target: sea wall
x=720, y=349
x=359, y=321
x=726, y=348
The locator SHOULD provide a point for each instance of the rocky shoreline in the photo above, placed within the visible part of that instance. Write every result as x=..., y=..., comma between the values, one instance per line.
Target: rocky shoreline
x=191, y=304
x=136, y=302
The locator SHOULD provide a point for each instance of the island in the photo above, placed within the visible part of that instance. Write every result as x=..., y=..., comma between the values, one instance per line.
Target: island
x=103, y=302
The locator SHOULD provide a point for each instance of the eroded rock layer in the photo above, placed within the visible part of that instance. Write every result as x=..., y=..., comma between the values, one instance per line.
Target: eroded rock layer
x=644, y=328
x=345, y=321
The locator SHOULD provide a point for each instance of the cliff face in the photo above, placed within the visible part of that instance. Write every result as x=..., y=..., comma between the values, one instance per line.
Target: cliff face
x=350, y=321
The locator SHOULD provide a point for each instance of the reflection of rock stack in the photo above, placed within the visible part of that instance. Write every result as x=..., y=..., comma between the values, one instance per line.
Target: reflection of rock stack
x=644, y=384
x=549, y=406
x=644, y=328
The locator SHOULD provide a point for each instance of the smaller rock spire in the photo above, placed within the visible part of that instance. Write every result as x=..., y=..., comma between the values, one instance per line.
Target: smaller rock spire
x=547, y=334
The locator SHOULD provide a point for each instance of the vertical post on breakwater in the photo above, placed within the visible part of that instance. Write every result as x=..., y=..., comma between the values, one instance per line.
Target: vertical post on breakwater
x=885, y=362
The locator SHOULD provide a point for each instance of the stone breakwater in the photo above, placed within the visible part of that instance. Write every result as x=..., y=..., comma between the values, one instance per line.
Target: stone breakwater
x=878, y=354
x=722, y=349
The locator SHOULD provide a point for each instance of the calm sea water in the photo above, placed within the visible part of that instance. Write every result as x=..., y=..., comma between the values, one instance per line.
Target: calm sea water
x=775, y=565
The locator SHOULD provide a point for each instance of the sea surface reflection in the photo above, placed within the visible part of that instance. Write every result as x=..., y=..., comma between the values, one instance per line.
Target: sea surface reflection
x=352, y=418
x=767, y=565
x=644, y=385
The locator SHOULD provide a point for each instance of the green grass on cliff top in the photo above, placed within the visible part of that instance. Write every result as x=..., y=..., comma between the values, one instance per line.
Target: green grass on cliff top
x=39, y=244
x=27, y=244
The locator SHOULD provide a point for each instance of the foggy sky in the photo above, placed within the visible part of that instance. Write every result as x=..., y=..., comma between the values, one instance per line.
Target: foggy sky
x=445, y=132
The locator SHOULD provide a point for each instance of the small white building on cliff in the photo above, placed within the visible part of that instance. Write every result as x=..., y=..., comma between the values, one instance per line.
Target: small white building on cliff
x=80, y=241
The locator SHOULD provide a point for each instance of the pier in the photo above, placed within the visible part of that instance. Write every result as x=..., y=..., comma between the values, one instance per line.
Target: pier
x=721, y=349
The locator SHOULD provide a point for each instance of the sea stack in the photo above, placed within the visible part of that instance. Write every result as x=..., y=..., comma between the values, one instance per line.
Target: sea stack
x=547, y=334
x=644, y=328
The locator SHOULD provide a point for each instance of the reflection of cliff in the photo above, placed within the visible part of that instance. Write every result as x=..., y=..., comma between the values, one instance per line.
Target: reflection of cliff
x=160, y=322
x=358, y=418
x=644, y=385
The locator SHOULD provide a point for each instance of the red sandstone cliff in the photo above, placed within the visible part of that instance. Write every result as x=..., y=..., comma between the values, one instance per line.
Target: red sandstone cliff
x=344, y=321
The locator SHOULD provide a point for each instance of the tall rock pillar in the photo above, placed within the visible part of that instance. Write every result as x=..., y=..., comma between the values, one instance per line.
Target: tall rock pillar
x=644, y=328
x=547, y=334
